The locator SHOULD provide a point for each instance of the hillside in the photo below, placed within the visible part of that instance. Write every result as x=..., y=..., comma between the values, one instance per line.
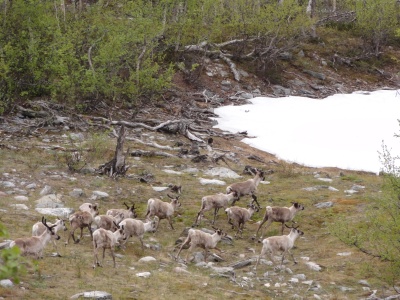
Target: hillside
x=42, y=157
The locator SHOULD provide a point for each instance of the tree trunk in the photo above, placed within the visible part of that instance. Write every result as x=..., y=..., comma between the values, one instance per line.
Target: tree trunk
x=116, y=166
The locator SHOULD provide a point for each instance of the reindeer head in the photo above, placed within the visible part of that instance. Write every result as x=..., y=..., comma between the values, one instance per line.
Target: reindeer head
x=131, y=209
x=294, y=229
x=298, y=206
x=50, y=229
x=219, y=231
x=174, y=200
x=256, y=208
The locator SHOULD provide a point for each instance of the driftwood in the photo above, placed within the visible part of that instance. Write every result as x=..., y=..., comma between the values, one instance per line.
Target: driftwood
x=116, y=166
x=241, y=264
x=139, y=153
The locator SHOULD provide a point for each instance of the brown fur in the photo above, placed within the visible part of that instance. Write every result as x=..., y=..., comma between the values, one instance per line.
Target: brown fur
x=279, y=214
x=238, y=216
x=248, y=187
x=80, y=219
x=161, y=209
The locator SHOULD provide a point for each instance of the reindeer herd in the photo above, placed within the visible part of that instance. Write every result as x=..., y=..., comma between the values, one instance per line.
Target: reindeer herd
x=118, y=225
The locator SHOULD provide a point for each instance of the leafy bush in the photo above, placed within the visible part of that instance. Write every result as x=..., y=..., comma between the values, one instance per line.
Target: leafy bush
x=10, y=266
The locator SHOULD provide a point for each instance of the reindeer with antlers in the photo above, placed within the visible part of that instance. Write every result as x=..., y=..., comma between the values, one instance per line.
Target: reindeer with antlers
x=34, y=245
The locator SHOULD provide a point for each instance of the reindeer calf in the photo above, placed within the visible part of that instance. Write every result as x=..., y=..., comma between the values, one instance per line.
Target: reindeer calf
x=93, y=209
x=80, y=219
x=138, y=228
x=106, y=239
x=108, y=222
x=238, y=216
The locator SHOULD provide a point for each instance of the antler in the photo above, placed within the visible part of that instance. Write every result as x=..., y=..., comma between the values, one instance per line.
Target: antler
x=292, y=227
x=116, y=225
x=177, y=197
x=44, y=222
x=127, y=206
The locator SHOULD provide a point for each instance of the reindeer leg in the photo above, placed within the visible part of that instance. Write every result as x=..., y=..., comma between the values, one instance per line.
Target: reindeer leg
x=263, y=251
x=96, y=259
x=180, y=249
x=205, y=254
x=112, y=255
x=283, y=227
x=291, y=254
x=265, y=219
x=219, y=250
x=265, y=228
x=283, y=257
x=190, y=251
x=73, y=236
x=90, y=230
x=170, y=223
x=198, y=218
x=215, y=214
x=141, y=241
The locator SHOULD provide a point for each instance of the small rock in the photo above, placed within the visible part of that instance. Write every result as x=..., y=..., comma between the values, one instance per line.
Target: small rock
x=313, y=266
x=147, y=259
x=294, y=280
x=93, y=295
x=21, y=198
x=172, y=172
x=99, y=195
x=160, y=188
x=46, y=190
x=325, y=179
x=76, y=193
x=324, y=204
x=351, y=192
x=345, y=289
x=204, y=181
x=344, y=253
x=181, y=270
x=77, y=136
x=300, y=276
x=6, y=283
x=308, y=282
x=20, y=206
x=363, y=282
x=222, y=172
x=31, y=186
x=8, y=184
x=143, y=274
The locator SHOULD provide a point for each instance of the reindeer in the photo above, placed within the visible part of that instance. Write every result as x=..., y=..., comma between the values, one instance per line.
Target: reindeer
x=34, y=245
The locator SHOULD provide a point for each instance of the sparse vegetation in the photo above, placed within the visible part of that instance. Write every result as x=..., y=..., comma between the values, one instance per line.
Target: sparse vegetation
x=75, y=265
